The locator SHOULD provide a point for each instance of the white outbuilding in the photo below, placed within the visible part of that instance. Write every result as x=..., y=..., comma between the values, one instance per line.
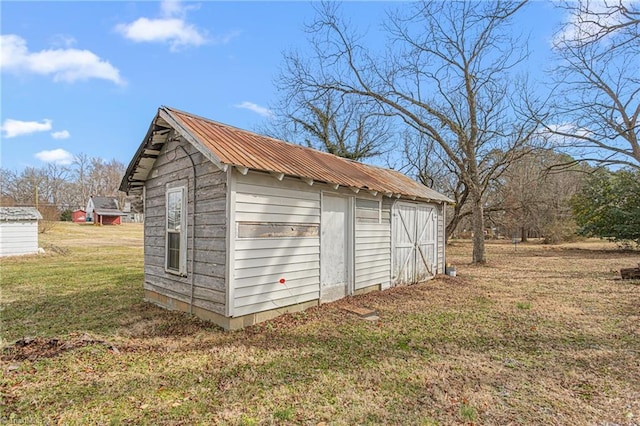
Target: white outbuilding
x=240, y=227
x=18, y=230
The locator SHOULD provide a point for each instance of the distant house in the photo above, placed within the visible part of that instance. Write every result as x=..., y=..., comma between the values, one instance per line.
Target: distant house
x=241, y=227
x=78, y=216
x=132, y=216
x=104, y=211
x=18, y=230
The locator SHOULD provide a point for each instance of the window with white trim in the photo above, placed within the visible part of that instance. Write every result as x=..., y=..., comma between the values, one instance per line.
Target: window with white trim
x=176, y=239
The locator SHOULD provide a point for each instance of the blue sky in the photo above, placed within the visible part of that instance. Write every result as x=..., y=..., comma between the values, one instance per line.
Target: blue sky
x=88, y=77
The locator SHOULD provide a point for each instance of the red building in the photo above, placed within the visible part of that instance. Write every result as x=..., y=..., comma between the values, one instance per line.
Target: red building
x=79, y=216
x=104, y=211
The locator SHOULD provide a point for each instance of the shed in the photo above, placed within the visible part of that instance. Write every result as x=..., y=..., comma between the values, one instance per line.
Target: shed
x=18, y=230
x=78, y=216
x=241, y=227
x=104, y=211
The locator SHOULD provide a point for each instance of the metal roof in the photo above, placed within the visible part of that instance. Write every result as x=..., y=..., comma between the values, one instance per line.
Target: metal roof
x=109, y=212
x=105, y=203
x=19, y=213
x=229, y=146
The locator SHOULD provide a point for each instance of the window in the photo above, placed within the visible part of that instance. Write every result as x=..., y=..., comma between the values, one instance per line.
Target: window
x=176, y=242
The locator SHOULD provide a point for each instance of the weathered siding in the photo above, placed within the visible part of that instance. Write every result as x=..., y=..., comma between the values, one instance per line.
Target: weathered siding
x=372, y=245
x=17, y=238
x=172, y=169
x=260, y=263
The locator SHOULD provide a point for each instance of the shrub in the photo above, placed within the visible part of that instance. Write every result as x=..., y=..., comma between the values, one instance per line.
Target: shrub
x=65, y=216
x=608, y=206
x=559, y=231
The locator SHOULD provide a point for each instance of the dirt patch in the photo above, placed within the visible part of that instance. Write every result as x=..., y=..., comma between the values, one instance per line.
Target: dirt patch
x=33, y=348
x=52, y=248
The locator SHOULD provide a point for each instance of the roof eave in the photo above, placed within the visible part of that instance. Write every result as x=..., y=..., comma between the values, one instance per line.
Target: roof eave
x=126, y=179
x=128, y=183
x=166, y=114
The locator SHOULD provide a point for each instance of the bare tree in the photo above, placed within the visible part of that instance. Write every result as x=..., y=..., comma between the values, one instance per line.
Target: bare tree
x=346, y=127
x=57, y=177
x=8, y=180
x=532, y=197
x=595, y=114
x=82, y=166
x=61, y=187
x=104, y=177
x=425, y=160
x=446, y=74
x=592, y=21
x=30, y=187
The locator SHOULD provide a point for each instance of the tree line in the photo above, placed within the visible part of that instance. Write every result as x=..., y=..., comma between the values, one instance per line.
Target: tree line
x=57, y=188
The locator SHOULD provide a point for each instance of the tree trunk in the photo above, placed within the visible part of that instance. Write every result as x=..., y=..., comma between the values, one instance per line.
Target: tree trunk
x=453, y=223
x=523, y=234
x=451, y=227
x=478, y=230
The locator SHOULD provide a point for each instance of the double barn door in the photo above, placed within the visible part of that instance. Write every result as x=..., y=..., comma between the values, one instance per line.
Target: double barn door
x=414, y=242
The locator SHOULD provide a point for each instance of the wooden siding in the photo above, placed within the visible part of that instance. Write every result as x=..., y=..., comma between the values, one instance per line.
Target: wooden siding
x=372, y=246
x=18, y=238
x=260, y=263
x=257, y=201
x=367, y=211
x=173, y=169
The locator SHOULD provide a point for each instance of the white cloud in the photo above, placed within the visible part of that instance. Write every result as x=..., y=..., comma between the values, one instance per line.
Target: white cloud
x=62, y=134
x=63, y=64
x=172, y=8
x=587, y=22
x=57, y=156
x=265, y=112
x=564, y=134
x=171, y=28
x=567, y=129
x=12, y=128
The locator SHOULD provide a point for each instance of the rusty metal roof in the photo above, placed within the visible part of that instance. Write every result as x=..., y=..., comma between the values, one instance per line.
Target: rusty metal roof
x=231, y=146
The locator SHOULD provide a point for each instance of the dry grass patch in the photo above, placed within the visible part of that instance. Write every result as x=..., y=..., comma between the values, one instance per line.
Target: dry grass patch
x=539, y=336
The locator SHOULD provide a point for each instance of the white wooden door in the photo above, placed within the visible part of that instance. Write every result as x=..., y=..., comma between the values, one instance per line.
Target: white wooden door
x=426, y=253
x=334, y=259
x=414, y=239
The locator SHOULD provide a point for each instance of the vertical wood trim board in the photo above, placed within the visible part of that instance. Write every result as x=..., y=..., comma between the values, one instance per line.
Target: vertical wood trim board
x=230, y=243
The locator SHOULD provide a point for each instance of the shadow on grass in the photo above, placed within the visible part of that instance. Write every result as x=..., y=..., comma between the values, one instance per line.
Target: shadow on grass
x=584, y=253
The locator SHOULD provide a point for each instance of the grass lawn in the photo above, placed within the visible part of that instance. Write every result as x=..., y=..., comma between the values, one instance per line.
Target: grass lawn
x=541, y=335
